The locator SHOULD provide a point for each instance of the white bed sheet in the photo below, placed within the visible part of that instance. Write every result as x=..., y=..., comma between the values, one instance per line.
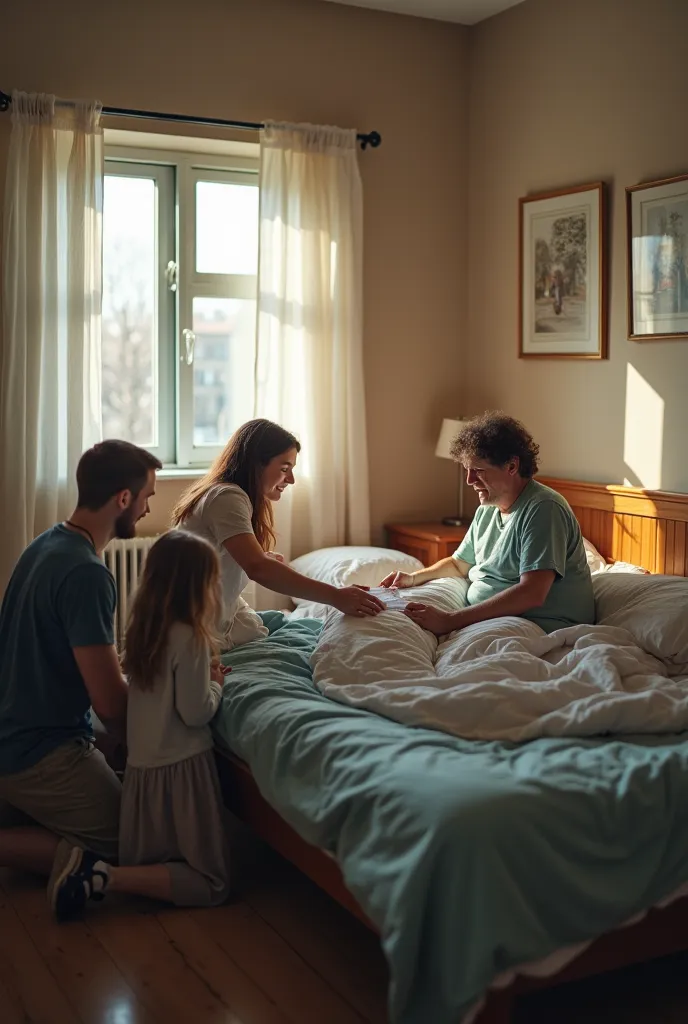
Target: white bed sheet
x=504, y=679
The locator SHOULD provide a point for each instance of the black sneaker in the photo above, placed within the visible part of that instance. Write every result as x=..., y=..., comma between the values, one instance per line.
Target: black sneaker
x=77, y=877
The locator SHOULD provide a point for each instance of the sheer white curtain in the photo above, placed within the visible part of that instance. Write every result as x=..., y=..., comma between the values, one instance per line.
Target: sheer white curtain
x=51, y=298
x=309, y=368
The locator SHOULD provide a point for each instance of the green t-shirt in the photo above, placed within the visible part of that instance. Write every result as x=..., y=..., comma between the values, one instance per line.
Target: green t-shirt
x=60, y=596
x=539, y=532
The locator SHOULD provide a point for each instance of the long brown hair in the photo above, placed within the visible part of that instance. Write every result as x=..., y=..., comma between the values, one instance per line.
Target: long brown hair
x=242, y=462
x=180, y=583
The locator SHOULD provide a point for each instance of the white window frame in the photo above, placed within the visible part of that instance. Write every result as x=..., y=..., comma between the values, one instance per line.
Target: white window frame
x=193, y=284
x=164, y=312
x=175, y=374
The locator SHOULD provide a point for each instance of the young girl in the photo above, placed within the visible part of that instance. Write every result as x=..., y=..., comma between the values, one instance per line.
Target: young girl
x=172, y=838
x=232, y=508
x=171, y=802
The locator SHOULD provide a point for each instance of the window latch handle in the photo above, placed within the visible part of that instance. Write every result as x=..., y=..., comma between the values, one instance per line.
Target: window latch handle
x=189, y=342
x=171, y=275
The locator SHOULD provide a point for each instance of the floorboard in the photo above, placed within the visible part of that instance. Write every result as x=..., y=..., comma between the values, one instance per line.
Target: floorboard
x=82, y=969
x=26, y=979
x=281, y=953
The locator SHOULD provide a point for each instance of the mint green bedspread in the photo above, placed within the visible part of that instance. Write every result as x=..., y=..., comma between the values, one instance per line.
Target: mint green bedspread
x=470, y=857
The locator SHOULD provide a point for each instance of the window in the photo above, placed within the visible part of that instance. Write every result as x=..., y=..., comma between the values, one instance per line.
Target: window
x=180, y=260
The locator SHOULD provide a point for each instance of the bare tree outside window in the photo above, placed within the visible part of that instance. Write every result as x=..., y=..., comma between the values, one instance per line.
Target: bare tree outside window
x=129, y=310
x=180, y=261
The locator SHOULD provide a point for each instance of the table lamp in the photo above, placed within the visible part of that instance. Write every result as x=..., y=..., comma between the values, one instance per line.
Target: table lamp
x=450, y=428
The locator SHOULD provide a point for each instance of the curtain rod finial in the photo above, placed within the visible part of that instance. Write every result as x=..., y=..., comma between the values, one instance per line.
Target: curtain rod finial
x=5, y=101
x=372, y=139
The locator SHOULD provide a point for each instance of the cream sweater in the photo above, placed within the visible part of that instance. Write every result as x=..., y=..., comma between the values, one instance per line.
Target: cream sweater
x=171, y=721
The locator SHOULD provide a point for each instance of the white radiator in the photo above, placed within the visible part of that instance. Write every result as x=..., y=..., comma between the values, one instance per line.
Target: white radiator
x=124, y=559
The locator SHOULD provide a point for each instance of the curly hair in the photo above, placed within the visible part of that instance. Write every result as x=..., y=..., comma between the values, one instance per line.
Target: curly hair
x=496, y=437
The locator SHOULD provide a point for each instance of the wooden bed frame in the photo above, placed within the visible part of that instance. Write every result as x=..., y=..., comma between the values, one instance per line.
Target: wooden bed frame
x=626, y=524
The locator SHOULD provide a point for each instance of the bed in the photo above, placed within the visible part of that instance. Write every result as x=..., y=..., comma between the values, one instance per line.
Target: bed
x=268, y=715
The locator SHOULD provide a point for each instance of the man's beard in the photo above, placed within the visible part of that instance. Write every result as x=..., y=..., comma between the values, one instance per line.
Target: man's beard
x=125, y=525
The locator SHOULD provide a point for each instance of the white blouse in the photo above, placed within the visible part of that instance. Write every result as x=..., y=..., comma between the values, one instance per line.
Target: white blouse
x=223, y=512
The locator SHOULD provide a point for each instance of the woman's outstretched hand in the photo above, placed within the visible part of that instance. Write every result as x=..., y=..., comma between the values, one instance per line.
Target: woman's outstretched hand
x=357, y=601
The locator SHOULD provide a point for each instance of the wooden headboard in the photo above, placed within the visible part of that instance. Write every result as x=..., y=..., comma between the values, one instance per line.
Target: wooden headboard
x=628, y=524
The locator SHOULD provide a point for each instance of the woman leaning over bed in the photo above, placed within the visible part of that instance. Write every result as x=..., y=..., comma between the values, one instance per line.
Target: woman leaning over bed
x=232, y=507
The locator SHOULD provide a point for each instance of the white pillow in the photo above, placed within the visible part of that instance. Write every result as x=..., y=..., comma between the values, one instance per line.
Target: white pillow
x=596, y=562
x=654, y=609
x=347, y=566
x=627, y=567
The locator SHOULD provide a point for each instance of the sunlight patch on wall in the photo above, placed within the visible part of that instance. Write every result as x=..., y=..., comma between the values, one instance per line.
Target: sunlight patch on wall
x=644, y=431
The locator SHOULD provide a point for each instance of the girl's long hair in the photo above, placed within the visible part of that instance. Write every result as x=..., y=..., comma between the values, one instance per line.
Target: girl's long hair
x=180, y=583
x=242, y=462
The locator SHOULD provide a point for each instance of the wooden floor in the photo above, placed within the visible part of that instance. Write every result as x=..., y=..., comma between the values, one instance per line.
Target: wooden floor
x=283, y=952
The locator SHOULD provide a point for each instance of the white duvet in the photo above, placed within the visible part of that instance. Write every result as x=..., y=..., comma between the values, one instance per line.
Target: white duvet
x=504, y=679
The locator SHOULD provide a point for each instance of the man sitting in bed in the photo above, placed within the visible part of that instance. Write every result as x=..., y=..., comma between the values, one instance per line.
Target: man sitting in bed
x=523, y=552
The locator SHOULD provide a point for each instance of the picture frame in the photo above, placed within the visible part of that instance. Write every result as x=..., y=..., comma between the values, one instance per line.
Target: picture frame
x=563, y=274
x=657, y=259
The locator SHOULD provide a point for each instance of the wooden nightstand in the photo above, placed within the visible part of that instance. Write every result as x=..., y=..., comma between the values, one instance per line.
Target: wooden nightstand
x=427, y=541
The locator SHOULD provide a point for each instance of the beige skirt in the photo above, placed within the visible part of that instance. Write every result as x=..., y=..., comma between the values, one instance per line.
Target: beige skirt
x=174, y=815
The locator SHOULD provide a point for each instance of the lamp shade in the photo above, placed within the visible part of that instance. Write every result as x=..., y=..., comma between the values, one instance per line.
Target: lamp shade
x=450, y=428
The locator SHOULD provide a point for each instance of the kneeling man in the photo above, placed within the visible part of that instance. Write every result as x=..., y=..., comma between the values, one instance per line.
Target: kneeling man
x=523, y=553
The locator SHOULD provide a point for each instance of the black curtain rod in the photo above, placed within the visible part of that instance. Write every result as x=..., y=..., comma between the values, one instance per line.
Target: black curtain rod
x=366, y=139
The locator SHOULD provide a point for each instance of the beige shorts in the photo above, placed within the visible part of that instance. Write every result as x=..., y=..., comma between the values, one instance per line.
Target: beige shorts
x=72, y=792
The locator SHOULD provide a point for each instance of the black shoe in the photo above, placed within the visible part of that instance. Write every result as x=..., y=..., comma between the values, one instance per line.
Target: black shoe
x=77, y=877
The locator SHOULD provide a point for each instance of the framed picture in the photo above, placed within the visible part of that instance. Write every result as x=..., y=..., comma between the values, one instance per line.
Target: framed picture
x=657, y=215
x=562, y=274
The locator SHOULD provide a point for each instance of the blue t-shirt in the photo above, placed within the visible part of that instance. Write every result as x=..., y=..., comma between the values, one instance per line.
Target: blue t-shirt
x=60, y=596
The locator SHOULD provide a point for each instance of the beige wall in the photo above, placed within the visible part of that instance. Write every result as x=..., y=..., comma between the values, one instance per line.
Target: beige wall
x=320, y=62
x=564, y=93
x=560, y=93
